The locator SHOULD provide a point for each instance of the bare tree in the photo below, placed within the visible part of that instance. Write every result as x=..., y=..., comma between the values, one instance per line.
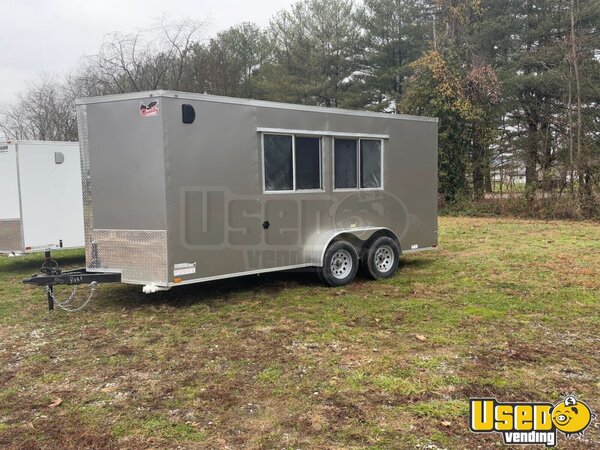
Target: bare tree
x=44, y=112
x=145, y=60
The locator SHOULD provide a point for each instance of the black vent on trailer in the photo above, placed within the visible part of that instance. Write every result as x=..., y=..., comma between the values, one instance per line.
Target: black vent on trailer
x=188, y=114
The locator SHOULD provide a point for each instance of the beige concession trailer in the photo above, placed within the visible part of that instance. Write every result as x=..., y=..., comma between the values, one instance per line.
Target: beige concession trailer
x=184, y=188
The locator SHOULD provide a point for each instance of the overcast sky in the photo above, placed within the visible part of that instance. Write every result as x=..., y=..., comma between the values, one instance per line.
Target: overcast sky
x=50, y=36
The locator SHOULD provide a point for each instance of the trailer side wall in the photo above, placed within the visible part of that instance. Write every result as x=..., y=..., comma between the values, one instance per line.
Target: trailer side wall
x=217, y=204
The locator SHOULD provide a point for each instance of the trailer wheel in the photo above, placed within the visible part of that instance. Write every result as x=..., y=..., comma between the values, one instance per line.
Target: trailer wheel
x=381, y=258
x=340, y=264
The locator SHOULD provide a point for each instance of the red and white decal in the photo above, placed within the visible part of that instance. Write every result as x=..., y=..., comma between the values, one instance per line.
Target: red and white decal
x=149, y=110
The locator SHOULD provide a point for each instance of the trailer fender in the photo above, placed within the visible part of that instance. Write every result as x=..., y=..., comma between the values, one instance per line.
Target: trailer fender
x=318, y=244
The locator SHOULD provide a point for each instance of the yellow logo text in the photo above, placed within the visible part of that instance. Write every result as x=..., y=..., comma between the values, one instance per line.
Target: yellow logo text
x=529, y=423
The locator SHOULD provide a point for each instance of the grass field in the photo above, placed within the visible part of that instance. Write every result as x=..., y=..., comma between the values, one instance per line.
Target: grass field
x=505, y=308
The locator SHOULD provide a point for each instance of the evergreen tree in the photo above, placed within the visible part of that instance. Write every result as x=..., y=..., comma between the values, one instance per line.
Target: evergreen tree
x=315, y=46
x=396, y=33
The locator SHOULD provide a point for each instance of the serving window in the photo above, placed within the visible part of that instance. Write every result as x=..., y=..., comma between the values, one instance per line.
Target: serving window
x=292, y=163
x=358, y=164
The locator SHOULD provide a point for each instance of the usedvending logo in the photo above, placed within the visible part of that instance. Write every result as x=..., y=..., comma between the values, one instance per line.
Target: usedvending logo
x=3, y=149
x=530, y=423
x=149, y=110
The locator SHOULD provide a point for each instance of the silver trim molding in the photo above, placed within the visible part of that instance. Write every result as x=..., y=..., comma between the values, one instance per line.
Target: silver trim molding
x=322, y=133
x=240, y=274
x=417, y=250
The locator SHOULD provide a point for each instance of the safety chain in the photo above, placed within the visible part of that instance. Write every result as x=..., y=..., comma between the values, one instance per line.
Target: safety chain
x=65, y=306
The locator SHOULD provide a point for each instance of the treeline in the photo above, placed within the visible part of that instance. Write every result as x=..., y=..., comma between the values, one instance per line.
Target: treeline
x=515, y=83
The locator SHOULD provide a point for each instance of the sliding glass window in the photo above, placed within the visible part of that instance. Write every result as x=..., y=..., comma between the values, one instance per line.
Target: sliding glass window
x=278, y=161
x=308, y=162
x=358, y=164
x=370, y=164
x=346, y=164
x=292, y=163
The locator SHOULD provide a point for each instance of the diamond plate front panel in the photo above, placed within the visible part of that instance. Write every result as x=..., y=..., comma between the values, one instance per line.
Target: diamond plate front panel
x=11, y=235
x=140, y=256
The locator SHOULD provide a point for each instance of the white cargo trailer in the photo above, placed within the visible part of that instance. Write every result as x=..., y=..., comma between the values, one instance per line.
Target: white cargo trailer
x=40, y=186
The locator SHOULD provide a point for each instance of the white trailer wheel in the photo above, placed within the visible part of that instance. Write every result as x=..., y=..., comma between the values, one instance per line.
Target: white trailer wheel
x=340, y=264
x=381, y=258
x=384, y=258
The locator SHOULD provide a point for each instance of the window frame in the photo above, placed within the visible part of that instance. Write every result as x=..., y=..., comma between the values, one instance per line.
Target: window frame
x=358, y=164
x=294, y=189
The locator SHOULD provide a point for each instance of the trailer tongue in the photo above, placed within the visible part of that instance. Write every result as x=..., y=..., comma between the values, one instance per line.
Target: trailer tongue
x=52, y=275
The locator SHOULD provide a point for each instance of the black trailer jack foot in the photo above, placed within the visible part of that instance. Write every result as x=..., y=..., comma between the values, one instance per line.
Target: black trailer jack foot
x=50, y=289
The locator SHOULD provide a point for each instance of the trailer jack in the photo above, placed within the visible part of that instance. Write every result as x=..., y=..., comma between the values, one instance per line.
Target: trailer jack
x=51, y=275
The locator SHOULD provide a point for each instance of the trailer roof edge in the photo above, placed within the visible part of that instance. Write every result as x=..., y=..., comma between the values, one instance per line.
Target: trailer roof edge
x=247, y=102
x=36, y=142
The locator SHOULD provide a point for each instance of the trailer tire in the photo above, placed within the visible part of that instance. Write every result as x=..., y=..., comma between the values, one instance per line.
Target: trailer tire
x=381, y=258
x=340, y=264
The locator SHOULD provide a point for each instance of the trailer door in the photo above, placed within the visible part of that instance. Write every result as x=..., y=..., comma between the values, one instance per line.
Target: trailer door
x=10, y=210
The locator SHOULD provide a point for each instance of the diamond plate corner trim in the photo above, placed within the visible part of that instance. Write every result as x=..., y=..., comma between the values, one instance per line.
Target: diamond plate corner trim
x=140, y=256
x=86, y=184
x=11, y=235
